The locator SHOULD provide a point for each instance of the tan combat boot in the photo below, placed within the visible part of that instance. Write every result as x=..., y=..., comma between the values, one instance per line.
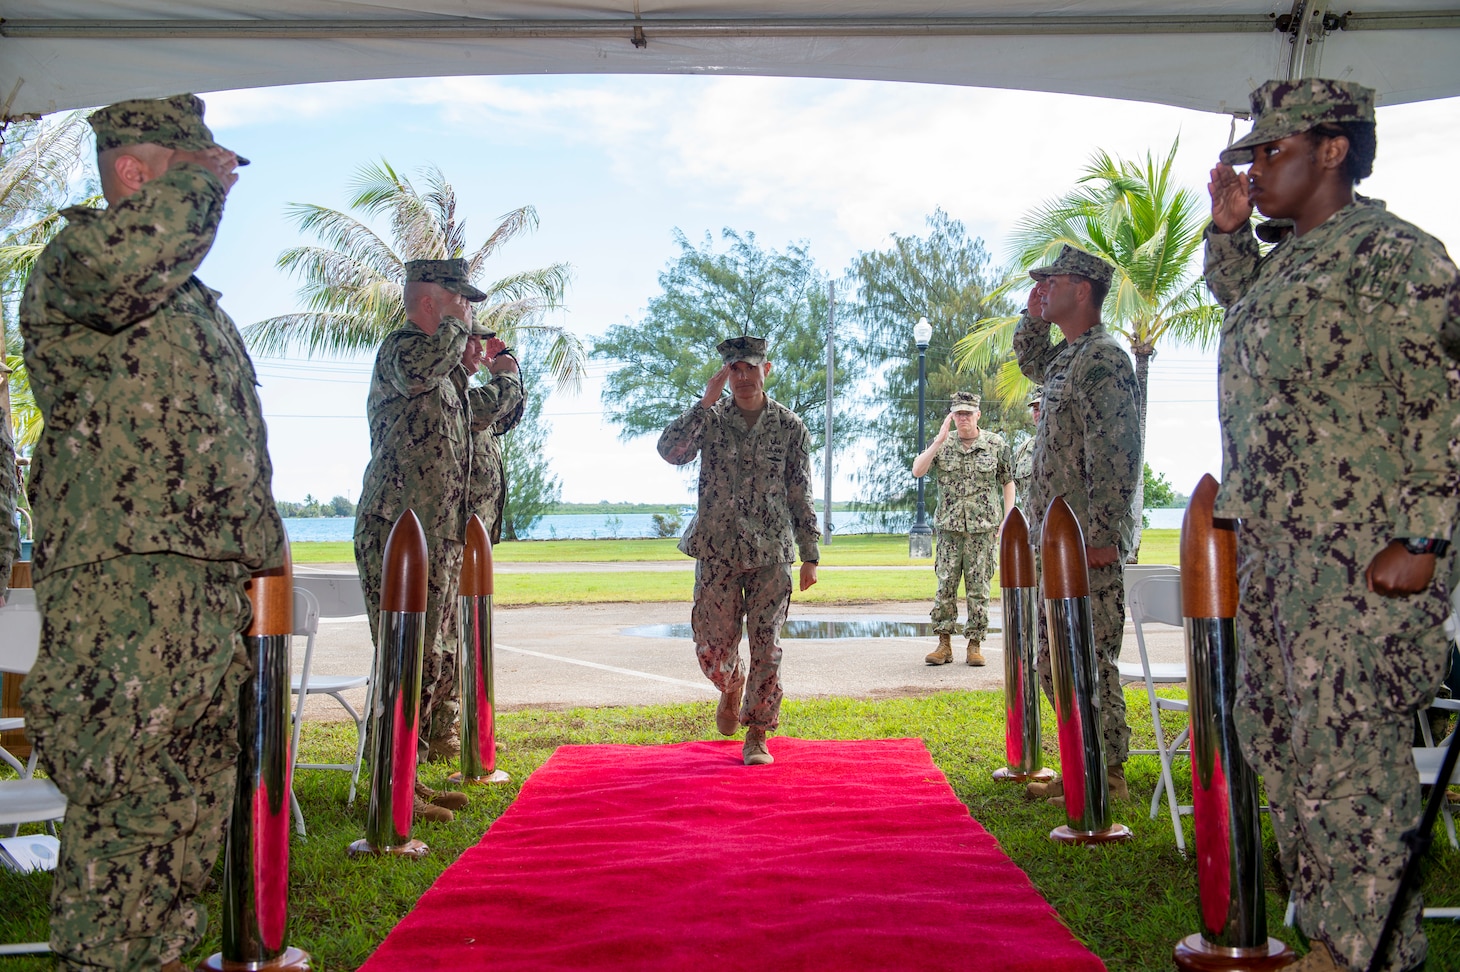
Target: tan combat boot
x=1115, y=783
x=421, y=810
x=1045, y=789
x=1319, y=959
x=727, y=713
x=944, y=653
x=975, y=657
x=755, y=751
x=450, y=799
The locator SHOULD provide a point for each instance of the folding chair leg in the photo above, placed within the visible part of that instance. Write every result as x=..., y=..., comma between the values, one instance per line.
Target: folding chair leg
x=1170, y=787
x=298, y=813
x=1449, y=824
x=360, y=726
x=28, y=948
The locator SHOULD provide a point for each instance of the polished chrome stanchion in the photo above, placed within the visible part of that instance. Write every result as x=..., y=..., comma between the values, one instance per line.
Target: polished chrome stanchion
x=1019, y=582
x=1076, y=681
x=478, y=715
x=396, y=700
x=1223, y=787
x=256, y=848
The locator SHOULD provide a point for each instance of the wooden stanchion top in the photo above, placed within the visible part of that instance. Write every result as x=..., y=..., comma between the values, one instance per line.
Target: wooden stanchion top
x=272, y=595
x=1062, y=553
x=404, y=574
x=1208, y=557
x=476, y=564
x=1016, y=556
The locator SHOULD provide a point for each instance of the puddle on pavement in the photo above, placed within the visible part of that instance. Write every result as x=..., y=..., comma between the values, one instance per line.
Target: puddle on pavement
x=809, y=629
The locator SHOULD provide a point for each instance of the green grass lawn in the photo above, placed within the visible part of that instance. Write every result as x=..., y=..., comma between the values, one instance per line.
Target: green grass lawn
x=1129, y=904
x=833, y=586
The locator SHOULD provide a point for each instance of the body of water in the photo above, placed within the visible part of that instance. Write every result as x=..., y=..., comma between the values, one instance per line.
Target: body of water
x=595, y=526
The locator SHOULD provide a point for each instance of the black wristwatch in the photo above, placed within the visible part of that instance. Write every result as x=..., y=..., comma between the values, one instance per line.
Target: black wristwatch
x=1426, y=545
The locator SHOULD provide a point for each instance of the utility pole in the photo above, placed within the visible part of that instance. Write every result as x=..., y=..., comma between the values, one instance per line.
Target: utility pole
x=830, y=385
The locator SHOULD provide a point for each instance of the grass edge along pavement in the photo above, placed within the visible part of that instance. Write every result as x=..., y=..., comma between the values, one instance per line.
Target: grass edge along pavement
x=1128, y=903
x=834, y=586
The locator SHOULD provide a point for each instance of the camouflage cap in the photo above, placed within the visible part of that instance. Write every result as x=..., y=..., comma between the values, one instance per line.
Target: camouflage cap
x=751, y=350
x=175, y=123
x=453, y=275
x=965, y=402
x=1283, y=108
x=1077, y=263
x=1273, y=230
x=1035, y=397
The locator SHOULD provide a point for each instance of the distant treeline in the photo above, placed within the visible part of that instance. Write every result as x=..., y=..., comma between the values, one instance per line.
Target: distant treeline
x=605, y=507
x=339, y=506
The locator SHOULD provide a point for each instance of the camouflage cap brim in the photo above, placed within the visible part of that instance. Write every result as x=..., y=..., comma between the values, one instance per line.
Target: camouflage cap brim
x=174, y=123
x=1284, y=108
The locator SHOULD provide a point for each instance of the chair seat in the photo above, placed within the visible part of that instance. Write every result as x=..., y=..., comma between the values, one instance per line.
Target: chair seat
x=1427, y=761
x=328, y=684
x=24, y=801
x=1160, y=671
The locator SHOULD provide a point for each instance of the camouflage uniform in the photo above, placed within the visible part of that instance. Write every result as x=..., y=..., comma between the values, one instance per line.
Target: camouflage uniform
x=1023, y=472
x=1087, y=448
x=487, y=490
x=422, y=413
x=971, y=482
x=754, y=516
x=1339, y=427
x=151, y=495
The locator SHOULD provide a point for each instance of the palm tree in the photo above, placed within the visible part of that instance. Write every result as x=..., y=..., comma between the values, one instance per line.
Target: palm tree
x=354, y=282
x=1132, y=215
x=37, y=163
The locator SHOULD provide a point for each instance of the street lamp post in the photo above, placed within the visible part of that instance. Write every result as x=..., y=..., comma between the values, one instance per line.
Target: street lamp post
x=920, y=537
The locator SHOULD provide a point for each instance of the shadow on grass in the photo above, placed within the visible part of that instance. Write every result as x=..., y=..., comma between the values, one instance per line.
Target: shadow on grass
x=1129, y=904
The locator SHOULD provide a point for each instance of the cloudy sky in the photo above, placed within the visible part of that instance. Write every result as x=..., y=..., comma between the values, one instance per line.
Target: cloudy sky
x=614, y=164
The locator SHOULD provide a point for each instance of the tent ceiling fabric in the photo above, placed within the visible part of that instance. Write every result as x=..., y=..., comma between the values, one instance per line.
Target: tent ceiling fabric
x=61, y=54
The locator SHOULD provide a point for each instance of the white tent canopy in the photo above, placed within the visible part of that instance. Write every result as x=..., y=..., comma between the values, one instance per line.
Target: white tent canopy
x=60, y=54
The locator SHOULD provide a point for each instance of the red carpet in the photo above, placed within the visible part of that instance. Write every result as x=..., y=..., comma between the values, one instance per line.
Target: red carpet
x=840, y=856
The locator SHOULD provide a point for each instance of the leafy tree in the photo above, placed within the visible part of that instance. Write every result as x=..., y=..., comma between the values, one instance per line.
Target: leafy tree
x=666, y=524
x=38, y=164
x=532, y=489
x=663, y=361
x=341, y=506
x=354, y=283
x=944, y=276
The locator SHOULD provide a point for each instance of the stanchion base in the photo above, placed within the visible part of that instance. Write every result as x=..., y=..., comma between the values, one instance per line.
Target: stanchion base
x=1195, y=954
x=498, y=776
x=1008, y=775
x=293, y=960
x=414, y=849
x=1110, y=835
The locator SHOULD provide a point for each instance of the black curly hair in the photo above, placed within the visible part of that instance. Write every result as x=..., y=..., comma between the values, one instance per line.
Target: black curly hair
x=1362, y=144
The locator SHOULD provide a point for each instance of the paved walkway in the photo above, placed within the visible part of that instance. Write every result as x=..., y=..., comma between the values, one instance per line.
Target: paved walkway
x=562, y=656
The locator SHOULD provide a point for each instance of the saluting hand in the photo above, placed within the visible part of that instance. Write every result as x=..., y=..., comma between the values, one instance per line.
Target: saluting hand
x=942, y=435
x=1230, y=205
x=219, y=161
x=1034, y=306
x=716, y=387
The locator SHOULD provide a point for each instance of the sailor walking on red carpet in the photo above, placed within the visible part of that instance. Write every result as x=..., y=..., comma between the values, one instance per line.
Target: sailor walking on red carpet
x=754, y=517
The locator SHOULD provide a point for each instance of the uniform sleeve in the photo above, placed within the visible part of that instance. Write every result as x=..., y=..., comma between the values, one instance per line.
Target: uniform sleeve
x=1408, y=294
x=1006, y=464
x=111, y=269
x=680, y=442
x=1032, y=347
x=1112, y=448
x=1232, y=260
x=494, y=400
x=798, y=496
x=416, y=360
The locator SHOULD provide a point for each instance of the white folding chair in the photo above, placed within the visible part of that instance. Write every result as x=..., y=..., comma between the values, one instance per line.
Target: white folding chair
x=1153, y=596
x=26, y=800
x=306, y=683
x=23, y=598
